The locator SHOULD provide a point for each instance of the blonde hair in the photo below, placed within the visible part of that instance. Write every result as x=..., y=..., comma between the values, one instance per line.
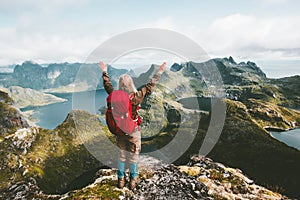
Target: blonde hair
x=126, y=84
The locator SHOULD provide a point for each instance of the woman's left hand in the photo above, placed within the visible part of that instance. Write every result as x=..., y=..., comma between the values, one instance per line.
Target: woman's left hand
x=162, y=68
x=102, y=66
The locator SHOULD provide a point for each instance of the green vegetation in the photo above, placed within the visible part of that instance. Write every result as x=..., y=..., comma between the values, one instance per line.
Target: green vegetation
x=103, y=190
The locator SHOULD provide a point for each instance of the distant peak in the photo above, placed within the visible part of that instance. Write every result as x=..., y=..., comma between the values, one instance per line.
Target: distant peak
x=28, y=62
x=230, y=59
x=176, y=67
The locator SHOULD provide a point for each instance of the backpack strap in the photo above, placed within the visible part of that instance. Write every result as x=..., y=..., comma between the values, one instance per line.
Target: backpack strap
x=138, y=118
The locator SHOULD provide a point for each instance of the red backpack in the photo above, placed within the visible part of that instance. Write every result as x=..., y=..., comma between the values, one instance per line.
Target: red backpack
x=119, y=113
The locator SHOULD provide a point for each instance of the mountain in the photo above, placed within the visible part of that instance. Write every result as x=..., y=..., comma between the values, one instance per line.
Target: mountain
x=231, y=72
x=253, y=106
x=34, y=76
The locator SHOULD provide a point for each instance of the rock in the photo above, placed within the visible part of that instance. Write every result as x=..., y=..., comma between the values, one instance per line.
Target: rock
x=174, y=116
x=192, y=171
x=176, y=67
x=11, y=118
x=25, y=190
x=23, y=138
x=171, y=182
x=228, y=183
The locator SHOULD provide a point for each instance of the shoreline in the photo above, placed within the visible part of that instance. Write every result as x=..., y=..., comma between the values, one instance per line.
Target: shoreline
x=53, y=92
x=277, y=129
x=28, y=116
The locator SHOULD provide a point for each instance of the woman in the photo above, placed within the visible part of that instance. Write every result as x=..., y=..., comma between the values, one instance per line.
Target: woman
x=130, y=142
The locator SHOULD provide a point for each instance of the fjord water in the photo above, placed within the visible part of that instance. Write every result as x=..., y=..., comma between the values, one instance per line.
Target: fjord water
x=50, y=116
x=291, y=137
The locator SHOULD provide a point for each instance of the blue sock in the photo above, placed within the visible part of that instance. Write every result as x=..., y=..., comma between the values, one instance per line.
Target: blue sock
x=133, y=170
x=121, y=169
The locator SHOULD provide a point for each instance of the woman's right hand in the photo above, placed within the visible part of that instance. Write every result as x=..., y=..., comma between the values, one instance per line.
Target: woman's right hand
x=102, y=66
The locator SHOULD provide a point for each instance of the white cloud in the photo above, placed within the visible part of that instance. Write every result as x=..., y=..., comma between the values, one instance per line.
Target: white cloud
x=247, y=35
x=42, y=5
x=275, y=1
x=164, y=22
x=64, y=41
x=43, y=39
x=45, y=47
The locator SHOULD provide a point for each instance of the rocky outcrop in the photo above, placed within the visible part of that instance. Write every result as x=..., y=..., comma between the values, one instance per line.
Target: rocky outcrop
x=11, y=119
x=26, y=190
x=157, y=181
x=223, y=182
x=200, y=179
x=167, y=182
x=5, y=98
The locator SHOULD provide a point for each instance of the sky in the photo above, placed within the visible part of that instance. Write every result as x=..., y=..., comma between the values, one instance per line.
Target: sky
x=263, y=31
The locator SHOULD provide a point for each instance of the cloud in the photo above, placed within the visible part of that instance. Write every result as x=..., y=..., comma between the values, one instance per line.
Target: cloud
x=45, y=47
x=249, y=35
x=51, y=38
x=275, y=1
x=41, y=5
x=166, y=22
x=66, y=40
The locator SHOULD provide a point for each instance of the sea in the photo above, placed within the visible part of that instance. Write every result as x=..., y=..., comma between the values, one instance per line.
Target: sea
x=50, y=116
x=291, y=137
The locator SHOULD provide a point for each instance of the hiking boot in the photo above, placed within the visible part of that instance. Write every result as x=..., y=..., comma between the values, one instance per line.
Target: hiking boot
x=121, y=182
x=134, y=182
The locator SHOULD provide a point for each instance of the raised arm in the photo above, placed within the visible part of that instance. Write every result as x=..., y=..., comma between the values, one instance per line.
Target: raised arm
x=148, y=88
x=106, y=81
